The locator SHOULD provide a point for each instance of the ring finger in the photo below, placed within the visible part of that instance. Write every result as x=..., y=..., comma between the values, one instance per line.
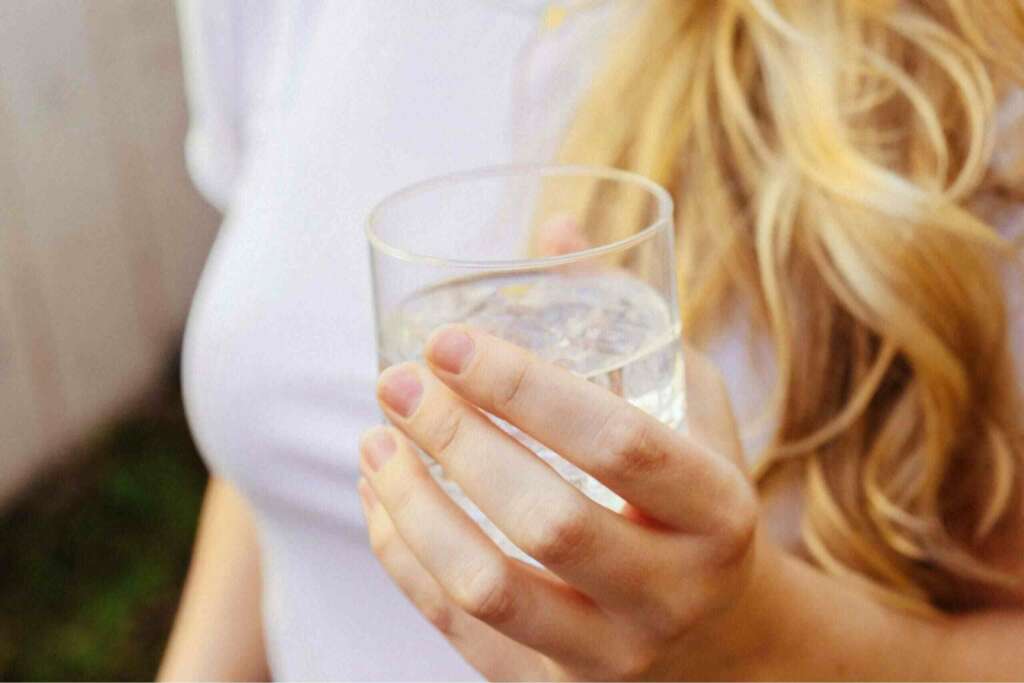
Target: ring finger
x=488, y=651
x=475, y=575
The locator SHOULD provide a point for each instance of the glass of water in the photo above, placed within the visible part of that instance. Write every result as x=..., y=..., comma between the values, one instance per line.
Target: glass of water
x=463, y=249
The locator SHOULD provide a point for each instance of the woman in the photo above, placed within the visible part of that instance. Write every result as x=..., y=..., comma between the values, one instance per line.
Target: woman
x=847, y=182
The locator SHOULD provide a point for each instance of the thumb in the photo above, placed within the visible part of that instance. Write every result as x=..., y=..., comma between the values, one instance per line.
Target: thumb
x=561, y=234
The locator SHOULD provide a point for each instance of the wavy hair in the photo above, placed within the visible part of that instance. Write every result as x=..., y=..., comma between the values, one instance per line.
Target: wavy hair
x=826, y=158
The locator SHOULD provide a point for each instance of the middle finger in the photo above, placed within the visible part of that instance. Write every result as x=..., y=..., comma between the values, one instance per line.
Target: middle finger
x=673, y=479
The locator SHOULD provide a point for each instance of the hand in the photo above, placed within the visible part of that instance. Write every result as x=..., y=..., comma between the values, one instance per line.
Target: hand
x=655, y=592
x=561, y=234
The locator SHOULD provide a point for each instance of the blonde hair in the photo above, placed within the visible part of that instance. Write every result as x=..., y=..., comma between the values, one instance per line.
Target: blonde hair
x=824, y=155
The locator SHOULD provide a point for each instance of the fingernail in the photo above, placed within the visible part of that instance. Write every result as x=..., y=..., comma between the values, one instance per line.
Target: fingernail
x=378, y=447
x=366, y=493
x=451, y=350
x=400, y=389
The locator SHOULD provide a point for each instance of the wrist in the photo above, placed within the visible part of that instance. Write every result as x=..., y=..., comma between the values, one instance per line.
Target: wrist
x=787, y=605
x=750, y=636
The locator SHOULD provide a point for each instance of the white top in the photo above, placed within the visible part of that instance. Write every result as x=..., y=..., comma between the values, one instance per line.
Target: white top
x=304, y=113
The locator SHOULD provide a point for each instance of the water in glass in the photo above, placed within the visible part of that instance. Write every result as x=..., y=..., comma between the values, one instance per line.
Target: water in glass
x=606, y=326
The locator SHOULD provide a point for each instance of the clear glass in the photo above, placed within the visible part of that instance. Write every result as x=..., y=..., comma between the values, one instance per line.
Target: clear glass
x=462, y=248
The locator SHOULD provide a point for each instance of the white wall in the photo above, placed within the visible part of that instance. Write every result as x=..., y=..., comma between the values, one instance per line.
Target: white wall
x=101, y=235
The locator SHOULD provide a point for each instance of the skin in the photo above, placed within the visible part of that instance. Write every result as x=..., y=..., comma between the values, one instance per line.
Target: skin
x=682, y=585
x=217, y=634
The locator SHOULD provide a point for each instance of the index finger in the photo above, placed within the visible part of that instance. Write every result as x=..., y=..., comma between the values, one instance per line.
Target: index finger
x=663, y=473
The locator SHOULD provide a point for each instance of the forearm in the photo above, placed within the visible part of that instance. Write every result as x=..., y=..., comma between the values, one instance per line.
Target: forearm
x=804, y=625
x=218, y=631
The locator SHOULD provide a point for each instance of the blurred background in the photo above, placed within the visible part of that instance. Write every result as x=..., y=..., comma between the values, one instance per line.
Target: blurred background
x=102, y=239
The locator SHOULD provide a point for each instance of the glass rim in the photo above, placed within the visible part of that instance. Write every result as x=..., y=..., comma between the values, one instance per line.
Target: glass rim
x=663, y=199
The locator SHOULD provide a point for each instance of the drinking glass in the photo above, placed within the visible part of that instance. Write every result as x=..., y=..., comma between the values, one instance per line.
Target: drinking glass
x=463, y=248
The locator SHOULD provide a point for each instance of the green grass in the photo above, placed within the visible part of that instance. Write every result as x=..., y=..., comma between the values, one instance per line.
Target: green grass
x=92, y=558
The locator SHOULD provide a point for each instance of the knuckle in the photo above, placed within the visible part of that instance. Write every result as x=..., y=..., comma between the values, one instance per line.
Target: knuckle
x=439, y=613
x=380, y=541
x=561, y=537
x=675, y=617
x=634, y=663
x=735, y=531
x=627, y=446
x=487, y=594
x=507, y=392
x=446, y=429
x=411, y=481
